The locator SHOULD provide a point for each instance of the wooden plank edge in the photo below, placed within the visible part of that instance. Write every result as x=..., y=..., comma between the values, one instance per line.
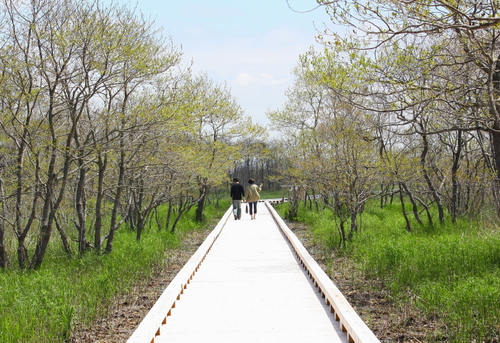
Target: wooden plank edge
x=157, y=316
x=356, y=328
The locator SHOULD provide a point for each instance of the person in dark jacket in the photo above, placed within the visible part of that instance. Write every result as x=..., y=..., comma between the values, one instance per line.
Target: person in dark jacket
x=237, y=196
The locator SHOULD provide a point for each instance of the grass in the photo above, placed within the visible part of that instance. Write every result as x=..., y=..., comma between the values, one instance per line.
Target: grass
x=451, y=271
x=266, y=194
x=42, y=306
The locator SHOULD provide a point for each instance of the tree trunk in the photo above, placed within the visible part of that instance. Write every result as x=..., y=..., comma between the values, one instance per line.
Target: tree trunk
x=495, y=142
x=51, y=203
x=22, y=252
x=80, y=204
x=179, y=215
x=64, y=238
x=21, y=234
x=43, y=242
x=413, y=204
x=354, y=222
x=454, y=179
x=3, y=251
x=201, y=203
x=401, y=198
x=47, y=214
x=101, y=163
x=343, y=238
x=428, y=180
x=116, y=204
x=22, y=255
x=137, y=208
x=139, y=226
x=169, y=214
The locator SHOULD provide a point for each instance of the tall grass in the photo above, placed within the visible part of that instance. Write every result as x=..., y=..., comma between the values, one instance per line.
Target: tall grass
x=322, y=224
x=451, y=271
x=43, y=306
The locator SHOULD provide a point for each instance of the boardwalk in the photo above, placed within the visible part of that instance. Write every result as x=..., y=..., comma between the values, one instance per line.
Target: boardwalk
x=249, y=287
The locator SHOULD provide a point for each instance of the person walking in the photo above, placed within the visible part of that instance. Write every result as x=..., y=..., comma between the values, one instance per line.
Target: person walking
x=253, y=197
x=237, y=194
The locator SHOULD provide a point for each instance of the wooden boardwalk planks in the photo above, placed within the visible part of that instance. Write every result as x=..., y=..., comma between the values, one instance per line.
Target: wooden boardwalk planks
x=249, y=287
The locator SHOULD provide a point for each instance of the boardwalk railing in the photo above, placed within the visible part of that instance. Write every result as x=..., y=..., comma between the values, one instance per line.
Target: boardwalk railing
x=350, y=322
x=356, y=329
x=157, y=316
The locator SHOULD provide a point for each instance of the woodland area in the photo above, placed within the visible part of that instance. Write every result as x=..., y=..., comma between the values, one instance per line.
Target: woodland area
x=105, y=132
x=102, y=123
x=403, y=103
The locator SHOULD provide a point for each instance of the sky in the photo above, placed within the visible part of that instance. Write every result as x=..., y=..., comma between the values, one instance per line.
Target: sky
x=251, y=46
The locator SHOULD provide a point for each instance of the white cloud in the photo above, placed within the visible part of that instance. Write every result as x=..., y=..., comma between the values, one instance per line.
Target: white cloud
x=245, y=79
x=262, y=78
x=270, y=80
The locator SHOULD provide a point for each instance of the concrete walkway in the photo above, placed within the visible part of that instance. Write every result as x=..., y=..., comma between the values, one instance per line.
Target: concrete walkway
x=250, y=288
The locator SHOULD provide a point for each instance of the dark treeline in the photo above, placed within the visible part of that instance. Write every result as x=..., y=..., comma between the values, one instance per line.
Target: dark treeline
x=263, y=170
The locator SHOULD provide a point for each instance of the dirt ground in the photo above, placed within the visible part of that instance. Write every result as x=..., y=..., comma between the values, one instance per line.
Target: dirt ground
x=390, y=323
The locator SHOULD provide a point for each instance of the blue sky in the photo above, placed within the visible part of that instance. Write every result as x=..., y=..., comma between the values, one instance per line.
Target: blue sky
x=249, y=45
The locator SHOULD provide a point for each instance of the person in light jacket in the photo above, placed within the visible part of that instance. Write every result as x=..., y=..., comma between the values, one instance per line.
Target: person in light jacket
x=252, y=196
